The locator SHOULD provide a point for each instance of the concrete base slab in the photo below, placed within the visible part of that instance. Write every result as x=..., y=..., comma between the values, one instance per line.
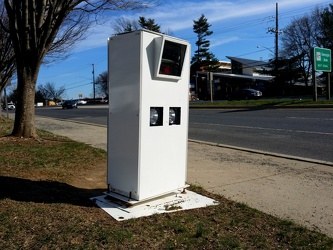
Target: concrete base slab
x=174, y=202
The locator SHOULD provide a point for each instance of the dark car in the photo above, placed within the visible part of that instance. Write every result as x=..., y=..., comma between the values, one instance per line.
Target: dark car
x=245, y=94
x=70, y=104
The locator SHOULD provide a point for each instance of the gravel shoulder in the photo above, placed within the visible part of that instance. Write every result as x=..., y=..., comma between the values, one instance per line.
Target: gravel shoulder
x=286, y=188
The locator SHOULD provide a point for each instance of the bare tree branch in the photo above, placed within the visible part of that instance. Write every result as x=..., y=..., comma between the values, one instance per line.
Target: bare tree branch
x=50, y=27
x=50, y=92
x=122, y=24
x=7, y=56
x=102, y=84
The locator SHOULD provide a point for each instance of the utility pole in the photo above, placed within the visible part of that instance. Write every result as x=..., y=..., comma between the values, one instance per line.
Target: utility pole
x=93, y=73
x=328, y=91
x=276, y=39
x=276, y=31
x=211, y=86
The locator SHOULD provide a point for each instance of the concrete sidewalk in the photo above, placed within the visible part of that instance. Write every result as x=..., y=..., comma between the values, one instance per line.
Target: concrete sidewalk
x=286, y=188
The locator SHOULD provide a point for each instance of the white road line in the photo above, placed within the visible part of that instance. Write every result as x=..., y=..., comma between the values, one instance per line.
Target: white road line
x=261, y=128
x=306, y=118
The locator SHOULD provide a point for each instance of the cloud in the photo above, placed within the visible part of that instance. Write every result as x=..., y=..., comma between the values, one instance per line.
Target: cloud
x=216, y=43
x=178, y=16
x=97, y=38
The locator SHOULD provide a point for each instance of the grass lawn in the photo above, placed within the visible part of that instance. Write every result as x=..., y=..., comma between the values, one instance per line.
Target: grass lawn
x=45, y=187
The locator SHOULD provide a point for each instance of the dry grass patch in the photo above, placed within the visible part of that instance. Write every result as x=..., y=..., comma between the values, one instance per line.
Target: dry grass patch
x=45, y=188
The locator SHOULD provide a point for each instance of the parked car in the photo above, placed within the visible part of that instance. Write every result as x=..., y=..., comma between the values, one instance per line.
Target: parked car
x=11, y=106
x=69, y=104
x=245, y=94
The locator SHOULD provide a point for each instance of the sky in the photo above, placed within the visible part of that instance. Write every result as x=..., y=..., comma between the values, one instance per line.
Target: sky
x=240, y=29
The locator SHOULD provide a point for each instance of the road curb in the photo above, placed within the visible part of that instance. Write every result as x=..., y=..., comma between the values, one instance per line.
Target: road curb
x=289, y=157
x=313, y=106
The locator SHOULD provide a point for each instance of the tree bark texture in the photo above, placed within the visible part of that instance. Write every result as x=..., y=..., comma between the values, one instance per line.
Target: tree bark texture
x=24, y=125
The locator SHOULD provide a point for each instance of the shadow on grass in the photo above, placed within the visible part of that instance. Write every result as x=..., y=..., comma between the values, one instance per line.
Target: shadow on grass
x=45, y=192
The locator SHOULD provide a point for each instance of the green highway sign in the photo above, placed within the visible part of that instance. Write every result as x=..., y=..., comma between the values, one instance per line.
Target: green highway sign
x=322, y=59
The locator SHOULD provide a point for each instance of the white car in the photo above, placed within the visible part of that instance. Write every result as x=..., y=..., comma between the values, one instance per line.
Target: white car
x=11, y=106
x=81, y=102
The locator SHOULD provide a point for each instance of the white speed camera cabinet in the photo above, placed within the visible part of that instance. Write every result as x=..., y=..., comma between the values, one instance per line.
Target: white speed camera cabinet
x=148, y=114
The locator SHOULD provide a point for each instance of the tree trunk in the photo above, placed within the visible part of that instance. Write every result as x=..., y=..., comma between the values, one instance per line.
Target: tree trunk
x=24, y=125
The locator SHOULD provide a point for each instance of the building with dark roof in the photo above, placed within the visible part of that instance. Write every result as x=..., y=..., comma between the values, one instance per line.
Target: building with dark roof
x=242, y=73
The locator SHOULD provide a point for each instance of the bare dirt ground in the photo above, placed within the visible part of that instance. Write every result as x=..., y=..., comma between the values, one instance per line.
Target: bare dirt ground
x=290, y=189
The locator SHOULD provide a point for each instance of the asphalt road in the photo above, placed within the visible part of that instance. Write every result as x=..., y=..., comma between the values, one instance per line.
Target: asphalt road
x=85, y=113
x=298, y=132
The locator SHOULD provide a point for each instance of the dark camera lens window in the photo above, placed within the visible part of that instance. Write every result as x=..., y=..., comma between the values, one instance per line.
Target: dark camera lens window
x=172, y=58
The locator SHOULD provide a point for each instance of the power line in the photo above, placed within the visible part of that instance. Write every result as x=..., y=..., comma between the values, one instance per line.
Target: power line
x=284, y=15
x=79, y=68
x=263, y=20
x=78, y=86
x=76, y=82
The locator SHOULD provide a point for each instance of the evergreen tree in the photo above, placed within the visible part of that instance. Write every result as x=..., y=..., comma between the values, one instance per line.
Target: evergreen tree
x=325, y=28
x=202, y=58
x=149, y=24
